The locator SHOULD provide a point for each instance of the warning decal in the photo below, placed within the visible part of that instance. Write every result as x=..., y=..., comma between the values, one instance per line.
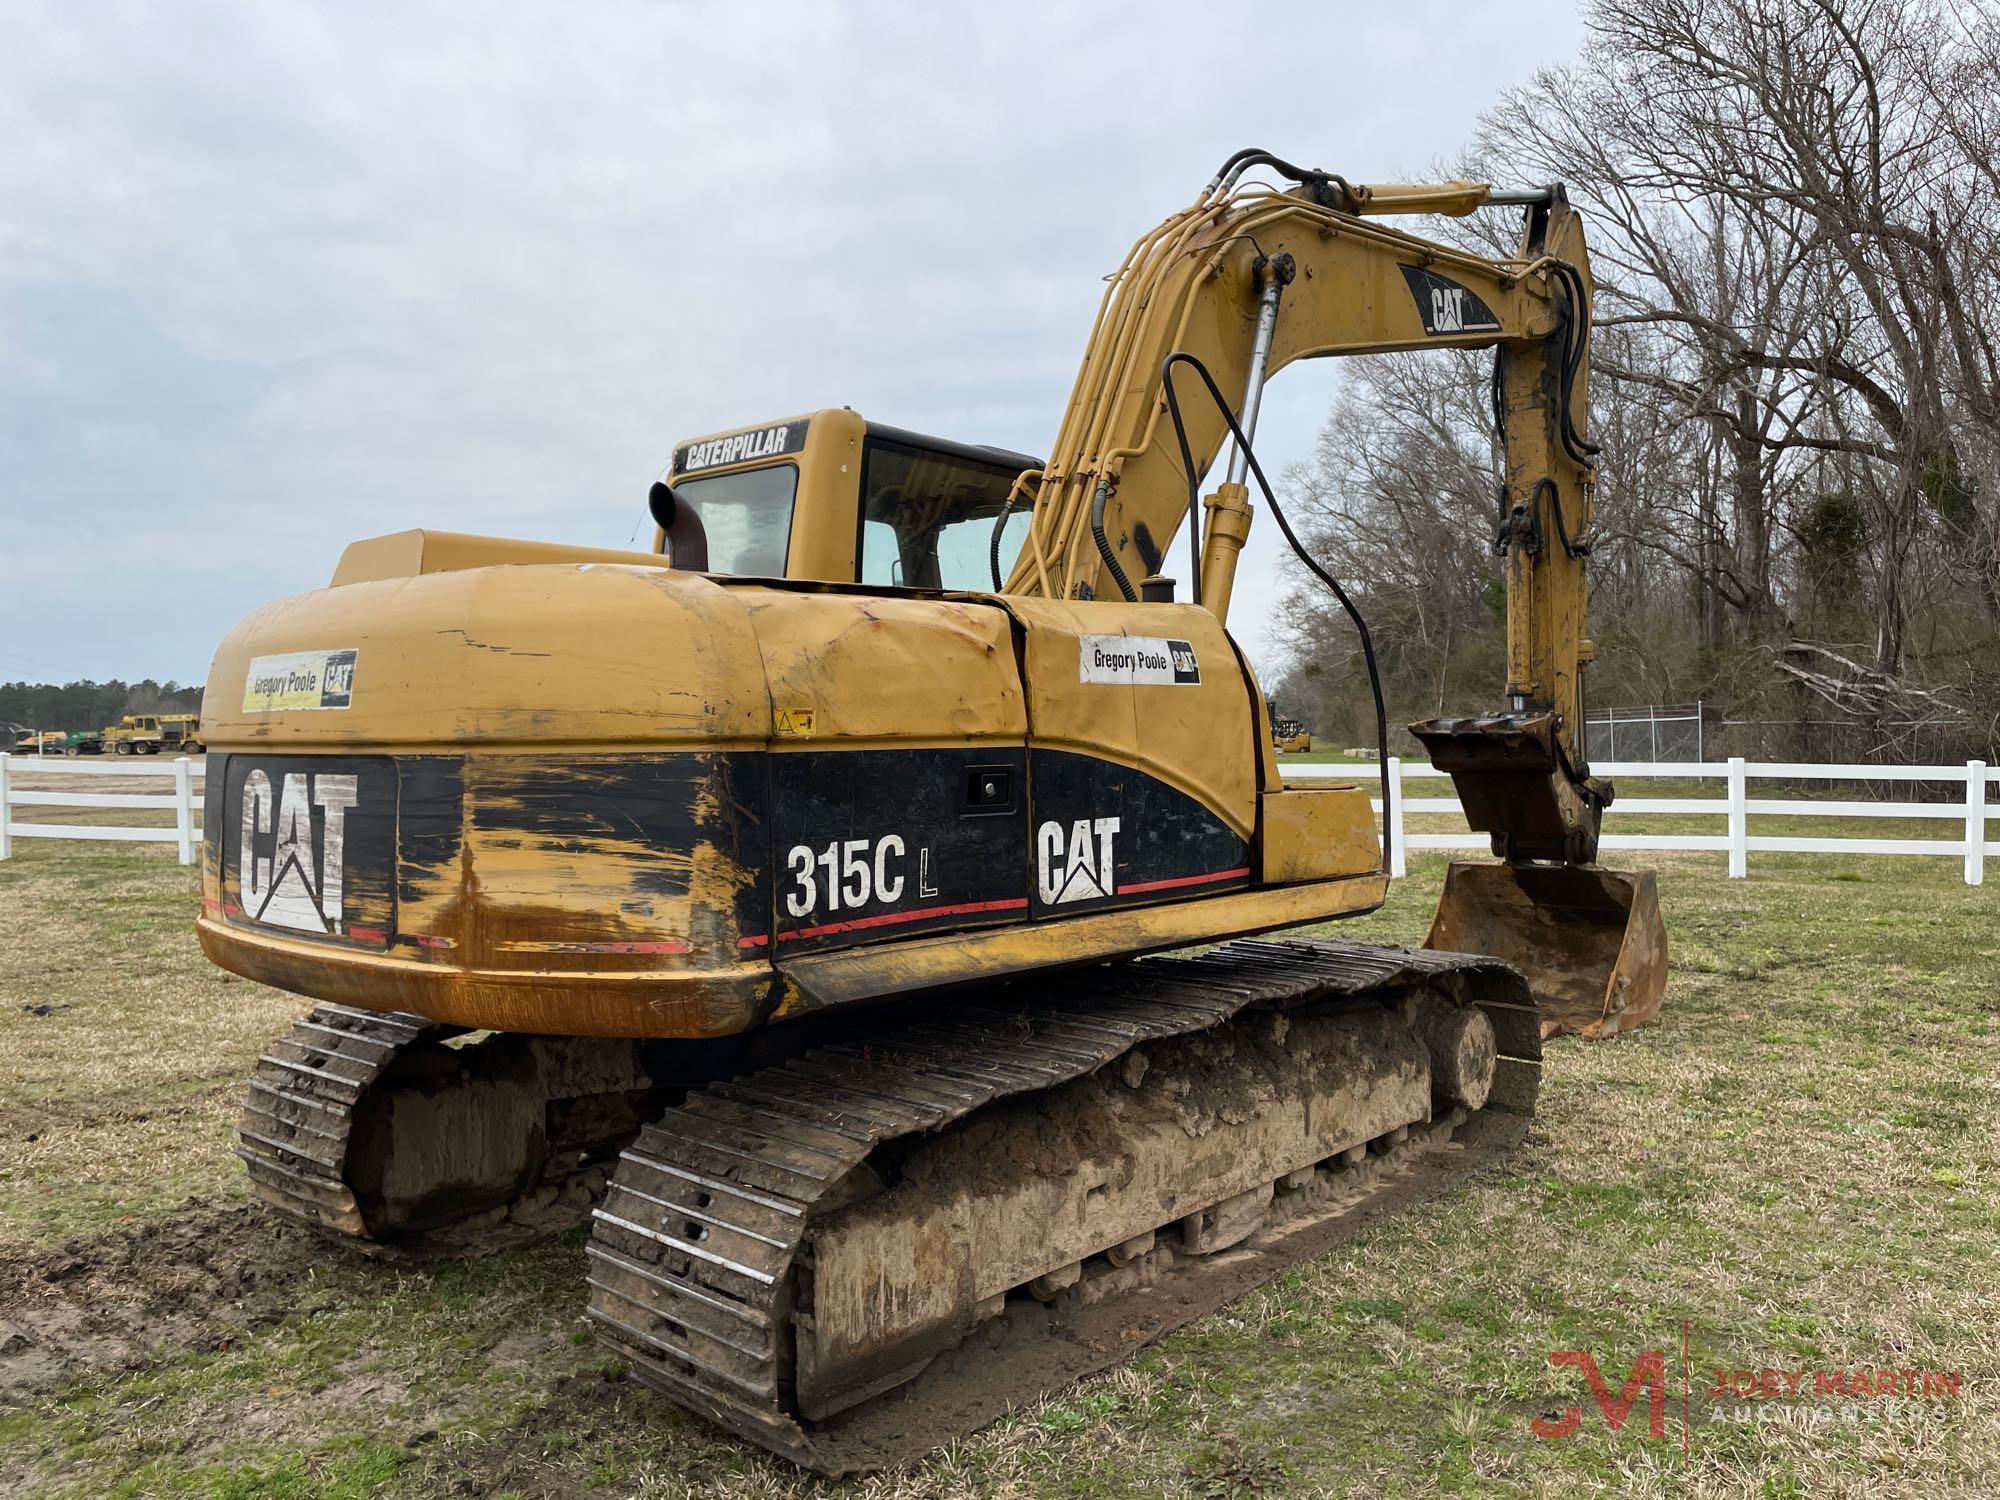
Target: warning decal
x=300, y=679
x=1144, y=659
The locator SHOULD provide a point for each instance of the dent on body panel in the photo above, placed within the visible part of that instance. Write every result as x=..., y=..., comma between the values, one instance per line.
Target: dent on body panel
x=890, y=667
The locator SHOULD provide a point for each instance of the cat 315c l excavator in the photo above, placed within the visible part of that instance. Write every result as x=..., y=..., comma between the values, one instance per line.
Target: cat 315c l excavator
x=778, y=897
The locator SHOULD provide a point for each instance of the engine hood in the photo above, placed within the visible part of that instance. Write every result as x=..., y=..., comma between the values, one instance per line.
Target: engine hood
x=611, y=655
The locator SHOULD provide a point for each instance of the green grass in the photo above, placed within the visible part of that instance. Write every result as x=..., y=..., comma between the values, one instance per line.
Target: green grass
x=122, y=1052
x=1797, y=1165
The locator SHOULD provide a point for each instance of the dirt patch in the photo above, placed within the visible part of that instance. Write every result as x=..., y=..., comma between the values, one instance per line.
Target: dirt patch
x=101, y=1306
x=532, y=1456
x=1032, y=1349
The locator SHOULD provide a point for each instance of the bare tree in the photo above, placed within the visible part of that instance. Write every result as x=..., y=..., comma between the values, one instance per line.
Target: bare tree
x=1795, y=209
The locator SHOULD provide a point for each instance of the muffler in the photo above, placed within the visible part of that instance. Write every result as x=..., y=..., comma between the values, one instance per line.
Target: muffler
x=1591, y=942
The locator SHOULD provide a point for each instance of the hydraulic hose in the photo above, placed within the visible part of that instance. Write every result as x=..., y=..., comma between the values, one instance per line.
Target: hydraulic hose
x=1298, y=549
x=1322, y=183
x=1575, y=343
x=1000, y=525
x=1103, y=493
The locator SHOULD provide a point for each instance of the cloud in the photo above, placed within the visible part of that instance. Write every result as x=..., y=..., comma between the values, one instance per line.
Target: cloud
x=274, y=278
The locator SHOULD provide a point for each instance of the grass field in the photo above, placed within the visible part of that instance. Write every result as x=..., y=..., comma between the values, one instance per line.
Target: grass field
x=1798, y=1168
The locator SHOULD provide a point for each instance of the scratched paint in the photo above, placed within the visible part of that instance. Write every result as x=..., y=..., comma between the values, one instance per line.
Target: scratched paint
x=596, y=863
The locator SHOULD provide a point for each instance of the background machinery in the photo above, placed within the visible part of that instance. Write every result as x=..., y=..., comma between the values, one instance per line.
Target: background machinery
x=150, y=734
x=785, y=895
x=1289, y=736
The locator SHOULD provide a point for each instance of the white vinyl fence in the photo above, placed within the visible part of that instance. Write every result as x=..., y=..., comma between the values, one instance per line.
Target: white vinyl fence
x=1736, y=806
x=183, y=800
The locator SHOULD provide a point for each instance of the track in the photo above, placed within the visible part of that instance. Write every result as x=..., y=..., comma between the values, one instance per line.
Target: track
x=496, y=1141
x=712, y=1267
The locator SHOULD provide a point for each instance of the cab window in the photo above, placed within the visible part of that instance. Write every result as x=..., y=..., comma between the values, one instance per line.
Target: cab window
x=747, y=516
x=927, y=518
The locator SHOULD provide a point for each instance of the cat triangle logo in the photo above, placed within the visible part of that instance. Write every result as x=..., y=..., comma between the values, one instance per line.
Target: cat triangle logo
x=1077, y=864
x=291, y=900
x=1081, y=884
x=289, y=886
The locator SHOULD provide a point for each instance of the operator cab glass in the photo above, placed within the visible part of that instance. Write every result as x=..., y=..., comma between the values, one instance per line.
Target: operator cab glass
x=747, y=516
x=928, y=509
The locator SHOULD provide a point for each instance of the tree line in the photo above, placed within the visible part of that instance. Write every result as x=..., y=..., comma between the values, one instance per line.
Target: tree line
x=1794, y=209
x=91, y=705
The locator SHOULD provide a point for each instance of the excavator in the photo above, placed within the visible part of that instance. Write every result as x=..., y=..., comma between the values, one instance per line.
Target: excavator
x=859, y=907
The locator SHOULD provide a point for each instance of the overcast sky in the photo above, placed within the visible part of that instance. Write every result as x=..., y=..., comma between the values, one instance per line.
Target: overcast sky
x=274, y=278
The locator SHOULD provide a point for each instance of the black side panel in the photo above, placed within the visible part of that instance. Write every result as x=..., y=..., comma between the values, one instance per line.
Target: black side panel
x=430, y=831
x=858, y=846
x=876, y=844
x=1107, y=835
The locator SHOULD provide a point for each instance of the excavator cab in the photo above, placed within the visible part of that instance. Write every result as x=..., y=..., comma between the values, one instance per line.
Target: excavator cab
x=834, y=498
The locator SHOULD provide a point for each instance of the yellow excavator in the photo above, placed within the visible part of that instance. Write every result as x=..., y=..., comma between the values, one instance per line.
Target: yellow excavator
x=797, y=900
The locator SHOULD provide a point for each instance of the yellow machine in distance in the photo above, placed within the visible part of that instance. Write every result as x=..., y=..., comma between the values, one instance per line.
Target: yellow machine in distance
x=793, y=877
x=150, y=734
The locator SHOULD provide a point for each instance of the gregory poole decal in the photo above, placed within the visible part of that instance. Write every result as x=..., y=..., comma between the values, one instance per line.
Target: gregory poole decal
x=1146, y=659
x=300, y=679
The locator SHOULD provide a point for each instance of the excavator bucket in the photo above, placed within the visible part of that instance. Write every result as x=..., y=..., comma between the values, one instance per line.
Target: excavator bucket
x=1591, y=942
